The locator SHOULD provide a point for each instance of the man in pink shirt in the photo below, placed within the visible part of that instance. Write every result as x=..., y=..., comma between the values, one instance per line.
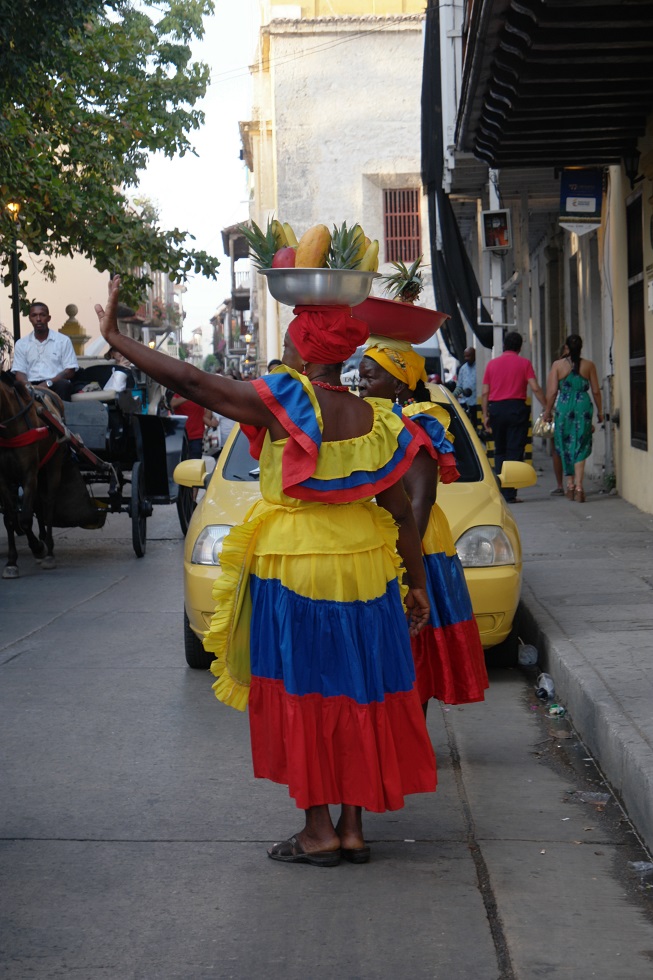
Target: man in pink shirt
x=505, y=386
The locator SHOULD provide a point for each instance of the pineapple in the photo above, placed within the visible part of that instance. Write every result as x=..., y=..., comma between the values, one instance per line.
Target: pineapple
x=406, y=283
x=262, y=244
x=347, y=247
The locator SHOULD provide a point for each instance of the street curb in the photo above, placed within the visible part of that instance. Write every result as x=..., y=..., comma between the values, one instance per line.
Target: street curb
x=596, y=713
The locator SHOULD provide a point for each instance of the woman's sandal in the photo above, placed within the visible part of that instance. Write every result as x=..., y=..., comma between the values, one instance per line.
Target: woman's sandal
x=569, y=492
x=356, y=855
x=579, y=495
x=292, y=852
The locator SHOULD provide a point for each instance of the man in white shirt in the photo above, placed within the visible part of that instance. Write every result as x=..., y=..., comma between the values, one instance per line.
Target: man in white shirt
x=46, y=357
x=467, y=382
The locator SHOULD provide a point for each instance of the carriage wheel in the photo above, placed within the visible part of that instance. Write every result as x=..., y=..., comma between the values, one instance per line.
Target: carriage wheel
x=139, y=520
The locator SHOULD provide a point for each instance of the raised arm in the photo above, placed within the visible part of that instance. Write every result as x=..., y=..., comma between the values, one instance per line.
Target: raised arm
x=236, y=399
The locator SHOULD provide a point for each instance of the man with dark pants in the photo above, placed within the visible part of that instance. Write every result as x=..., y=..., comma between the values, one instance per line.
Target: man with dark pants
x=505, y=386
x=46, y=357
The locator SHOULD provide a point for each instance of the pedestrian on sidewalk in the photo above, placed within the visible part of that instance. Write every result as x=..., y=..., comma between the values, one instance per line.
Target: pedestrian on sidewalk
x=555, y=455
x=448, y=655
x=570, y=380
x=467, y=382
x=506, y=413
x=310, y=626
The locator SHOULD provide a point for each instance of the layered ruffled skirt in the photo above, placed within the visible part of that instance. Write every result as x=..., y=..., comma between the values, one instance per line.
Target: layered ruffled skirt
x=449, y=659
x=309, y=603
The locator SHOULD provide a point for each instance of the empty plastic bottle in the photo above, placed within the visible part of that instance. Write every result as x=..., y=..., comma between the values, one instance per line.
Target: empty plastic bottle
x=544, y=687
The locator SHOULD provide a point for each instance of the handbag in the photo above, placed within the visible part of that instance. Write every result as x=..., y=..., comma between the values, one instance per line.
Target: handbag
x=543, y=429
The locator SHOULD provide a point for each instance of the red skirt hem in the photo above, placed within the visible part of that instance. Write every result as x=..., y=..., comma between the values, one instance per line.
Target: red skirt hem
x=334, y=750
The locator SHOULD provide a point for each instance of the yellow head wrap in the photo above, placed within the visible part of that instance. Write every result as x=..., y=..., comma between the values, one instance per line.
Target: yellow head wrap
x=398, y=358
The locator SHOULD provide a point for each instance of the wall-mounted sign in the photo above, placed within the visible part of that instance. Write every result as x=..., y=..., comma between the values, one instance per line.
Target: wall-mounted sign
x=581, y=198
x=495, y=230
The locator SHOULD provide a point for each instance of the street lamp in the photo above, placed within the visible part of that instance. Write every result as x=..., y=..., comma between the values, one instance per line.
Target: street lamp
x=14, y=208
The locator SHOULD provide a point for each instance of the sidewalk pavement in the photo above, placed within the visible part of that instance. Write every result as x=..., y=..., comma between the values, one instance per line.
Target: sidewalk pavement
x=587, y=605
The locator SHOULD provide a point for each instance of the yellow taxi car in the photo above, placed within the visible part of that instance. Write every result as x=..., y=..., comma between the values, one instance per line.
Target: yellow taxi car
x=485, y=532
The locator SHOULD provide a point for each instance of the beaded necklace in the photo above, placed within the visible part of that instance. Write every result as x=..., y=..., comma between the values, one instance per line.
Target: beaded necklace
x=323, y=384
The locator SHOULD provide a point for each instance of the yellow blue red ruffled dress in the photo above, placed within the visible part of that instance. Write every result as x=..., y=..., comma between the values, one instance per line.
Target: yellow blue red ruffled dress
x=449, y=659
x=309, y=620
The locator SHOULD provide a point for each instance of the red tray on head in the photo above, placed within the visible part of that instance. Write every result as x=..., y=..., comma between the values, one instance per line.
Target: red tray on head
x=400, y=321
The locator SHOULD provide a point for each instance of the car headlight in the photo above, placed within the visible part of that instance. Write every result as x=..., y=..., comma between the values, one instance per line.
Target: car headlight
x=484, y=545
x=208, y=547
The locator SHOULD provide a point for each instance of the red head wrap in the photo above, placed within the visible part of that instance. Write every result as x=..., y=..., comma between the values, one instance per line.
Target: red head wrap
x=326, y=334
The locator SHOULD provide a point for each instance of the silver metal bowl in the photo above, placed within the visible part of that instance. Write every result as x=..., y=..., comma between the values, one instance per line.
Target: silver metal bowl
x=319, y=287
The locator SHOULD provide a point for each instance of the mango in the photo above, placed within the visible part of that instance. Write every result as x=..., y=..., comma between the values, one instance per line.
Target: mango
x=313, y=248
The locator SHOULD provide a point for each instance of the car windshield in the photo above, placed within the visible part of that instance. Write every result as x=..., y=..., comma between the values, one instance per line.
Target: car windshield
x=241, y=467
x=467, y=460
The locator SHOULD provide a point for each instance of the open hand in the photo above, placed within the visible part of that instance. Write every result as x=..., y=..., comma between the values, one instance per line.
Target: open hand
x=418, y=610
x=107, y=316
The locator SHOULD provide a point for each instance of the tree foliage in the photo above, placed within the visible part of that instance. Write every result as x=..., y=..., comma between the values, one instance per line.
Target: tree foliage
x=88, y=91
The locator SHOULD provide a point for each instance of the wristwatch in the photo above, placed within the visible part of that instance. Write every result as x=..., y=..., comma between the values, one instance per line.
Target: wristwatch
x=48, y=383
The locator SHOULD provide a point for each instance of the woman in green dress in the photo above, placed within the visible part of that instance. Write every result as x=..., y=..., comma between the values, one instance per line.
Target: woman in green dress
x=570, y=381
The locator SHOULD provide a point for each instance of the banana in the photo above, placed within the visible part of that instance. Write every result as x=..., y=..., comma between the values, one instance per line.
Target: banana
x=291, y=238
x=370, y=260
x=363, y=242
x=279, y=234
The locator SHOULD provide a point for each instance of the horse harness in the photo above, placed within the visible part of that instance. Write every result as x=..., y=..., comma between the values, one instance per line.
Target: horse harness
x=32, y=435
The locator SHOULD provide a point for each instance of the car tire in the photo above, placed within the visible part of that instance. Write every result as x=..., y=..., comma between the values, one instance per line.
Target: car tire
x=506, y=653
x=196, y=656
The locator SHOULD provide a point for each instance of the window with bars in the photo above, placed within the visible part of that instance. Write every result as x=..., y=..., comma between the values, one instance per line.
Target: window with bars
x=401, y=224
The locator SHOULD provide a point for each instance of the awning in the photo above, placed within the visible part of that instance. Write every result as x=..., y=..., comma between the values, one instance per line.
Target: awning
x=556, y=83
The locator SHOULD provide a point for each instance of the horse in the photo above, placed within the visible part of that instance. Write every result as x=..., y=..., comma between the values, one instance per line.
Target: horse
x=31, y=458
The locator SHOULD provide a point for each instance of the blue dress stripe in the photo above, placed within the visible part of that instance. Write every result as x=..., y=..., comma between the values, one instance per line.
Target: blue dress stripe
x=447, y=590
x=358, y=649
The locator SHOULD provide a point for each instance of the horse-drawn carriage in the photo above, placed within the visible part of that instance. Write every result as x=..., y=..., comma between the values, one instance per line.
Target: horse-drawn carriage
x=107, y=452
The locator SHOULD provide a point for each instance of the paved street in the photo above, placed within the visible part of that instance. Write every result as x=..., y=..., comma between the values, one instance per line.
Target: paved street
x=133, y=835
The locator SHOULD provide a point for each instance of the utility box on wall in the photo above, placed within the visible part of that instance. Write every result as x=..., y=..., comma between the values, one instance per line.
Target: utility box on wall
x=496, y=230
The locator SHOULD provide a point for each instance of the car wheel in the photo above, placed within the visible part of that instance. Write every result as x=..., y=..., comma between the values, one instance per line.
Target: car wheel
x=196, y=656
x=505, y=654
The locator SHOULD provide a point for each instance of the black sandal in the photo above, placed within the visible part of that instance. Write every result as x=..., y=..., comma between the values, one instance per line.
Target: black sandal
x=292, y=852
x=356, y=855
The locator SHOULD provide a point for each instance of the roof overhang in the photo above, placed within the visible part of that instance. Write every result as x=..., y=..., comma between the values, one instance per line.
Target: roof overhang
x=555, y=83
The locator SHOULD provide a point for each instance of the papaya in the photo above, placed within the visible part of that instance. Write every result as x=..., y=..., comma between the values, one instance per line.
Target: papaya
x=313, y=248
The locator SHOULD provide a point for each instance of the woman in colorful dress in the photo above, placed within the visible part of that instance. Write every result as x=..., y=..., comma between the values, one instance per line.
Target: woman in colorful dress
x=449, y=659
x=570, y=379
x=310, y=626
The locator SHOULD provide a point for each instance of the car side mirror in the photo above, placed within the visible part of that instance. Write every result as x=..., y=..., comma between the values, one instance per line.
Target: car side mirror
x=190, y=473
x=517, y=475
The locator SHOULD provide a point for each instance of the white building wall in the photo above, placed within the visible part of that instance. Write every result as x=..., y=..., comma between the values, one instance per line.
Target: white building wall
x=344, y=117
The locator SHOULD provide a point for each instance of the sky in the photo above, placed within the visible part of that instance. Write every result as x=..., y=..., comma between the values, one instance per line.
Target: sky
x=205, y=193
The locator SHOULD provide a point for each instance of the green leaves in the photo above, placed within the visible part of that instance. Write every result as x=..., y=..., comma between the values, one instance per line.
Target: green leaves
x=82, y=110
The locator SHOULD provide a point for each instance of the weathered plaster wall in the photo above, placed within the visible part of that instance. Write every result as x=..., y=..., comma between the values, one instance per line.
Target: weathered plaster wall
x=343, y=106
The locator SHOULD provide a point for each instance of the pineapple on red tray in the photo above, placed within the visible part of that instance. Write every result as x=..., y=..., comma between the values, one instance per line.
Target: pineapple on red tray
x=406, y=283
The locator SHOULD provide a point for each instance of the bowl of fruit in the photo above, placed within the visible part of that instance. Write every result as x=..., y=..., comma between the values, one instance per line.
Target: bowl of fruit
x=322, y=268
